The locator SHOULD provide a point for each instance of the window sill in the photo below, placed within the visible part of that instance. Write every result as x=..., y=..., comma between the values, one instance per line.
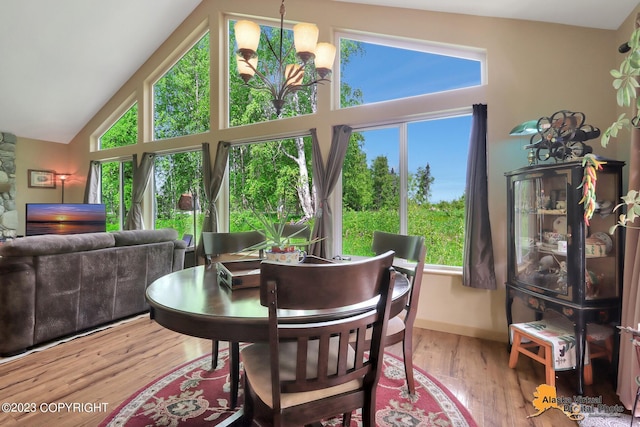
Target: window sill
x=443, y=270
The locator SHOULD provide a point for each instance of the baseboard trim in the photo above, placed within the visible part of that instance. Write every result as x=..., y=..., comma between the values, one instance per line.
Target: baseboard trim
x=468, y=331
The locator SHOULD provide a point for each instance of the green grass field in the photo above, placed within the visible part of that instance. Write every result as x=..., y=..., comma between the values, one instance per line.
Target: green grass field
x=441, y=224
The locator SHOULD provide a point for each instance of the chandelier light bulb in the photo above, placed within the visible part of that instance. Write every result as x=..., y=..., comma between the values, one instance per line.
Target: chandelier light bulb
x=247, y=37
x=305, y=39
x=294, y=74
x=246, y=68
x=325, y=55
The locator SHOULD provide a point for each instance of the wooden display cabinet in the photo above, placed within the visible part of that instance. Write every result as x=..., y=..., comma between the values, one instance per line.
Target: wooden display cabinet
x=554, y=260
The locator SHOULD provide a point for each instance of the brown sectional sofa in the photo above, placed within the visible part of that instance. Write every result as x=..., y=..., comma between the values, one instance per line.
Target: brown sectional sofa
x=53, y=286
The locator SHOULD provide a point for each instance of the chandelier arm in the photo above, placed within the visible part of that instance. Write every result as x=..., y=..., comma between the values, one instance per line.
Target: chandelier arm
x=269, y=85
x=282, y=13
x=270, y=45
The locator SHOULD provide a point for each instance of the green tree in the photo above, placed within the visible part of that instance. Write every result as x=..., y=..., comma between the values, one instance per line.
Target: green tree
x=357, y=182
x=123, y=132
x=386, y=184
x=181, y=96
x=116, y=197
x=423, y=181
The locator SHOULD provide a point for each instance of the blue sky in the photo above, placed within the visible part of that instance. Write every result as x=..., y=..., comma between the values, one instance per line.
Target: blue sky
x=385, y=73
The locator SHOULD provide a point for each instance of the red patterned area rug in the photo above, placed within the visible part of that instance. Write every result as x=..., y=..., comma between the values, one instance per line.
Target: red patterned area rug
x=191, y=395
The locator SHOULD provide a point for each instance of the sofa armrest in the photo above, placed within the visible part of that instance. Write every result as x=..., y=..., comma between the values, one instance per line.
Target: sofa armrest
x=179, y=249
x=18, y=299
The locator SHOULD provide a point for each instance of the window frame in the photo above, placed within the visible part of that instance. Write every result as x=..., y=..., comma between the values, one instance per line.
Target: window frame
x=171, y=60
x=117, y=114
x=403, y=172
x=462, y=52
x=121, y=196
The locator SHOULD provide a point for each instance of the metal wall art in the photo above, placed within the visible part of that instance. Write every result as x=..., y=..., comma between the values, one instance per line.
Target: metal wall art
x=562, y=136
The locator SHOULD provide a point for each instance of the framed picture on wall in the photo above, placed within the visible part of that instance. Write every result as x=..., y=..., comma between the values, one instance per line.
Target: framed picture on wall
x=42, y=179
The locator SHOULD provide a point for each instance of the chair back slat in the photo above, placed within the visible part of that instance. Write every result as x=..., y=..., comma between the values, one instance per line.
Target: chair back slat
x=324, y=355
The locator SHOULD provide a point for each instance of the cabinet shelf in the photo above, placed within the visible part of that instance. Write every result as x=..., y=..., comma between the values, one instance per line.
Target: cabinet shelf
x=551, y=212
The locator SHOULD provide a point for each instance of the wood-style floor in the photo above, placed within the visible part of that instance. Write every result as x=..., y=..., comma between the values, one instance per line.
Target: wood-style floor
x=108, y=366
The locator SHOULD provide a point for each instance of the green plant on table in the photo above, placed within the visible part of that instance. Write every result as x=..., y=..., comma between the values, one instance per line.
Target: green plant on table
x=273, y=229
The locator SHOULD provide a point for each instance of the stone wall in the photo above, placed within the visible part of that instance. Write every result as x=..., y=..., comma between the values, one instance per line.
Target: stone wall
x=8, y=212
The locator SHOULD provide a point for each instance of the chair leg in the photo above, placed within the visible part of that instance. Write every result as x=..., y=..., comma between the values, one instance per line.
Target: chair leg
x=346, y=419
x=408, y=362
x=234, y=368
x=369, y=411
x=248, y=407
x=214, y=354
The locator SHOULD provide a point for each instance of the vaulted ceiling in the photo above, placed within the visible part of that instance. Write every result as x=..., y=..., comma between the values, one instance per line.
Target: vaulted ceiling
x=61, y=60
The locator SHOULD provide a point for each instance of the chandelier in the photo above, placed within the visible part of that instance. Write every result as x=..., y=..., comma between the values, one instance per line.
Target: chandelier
x=287, y=78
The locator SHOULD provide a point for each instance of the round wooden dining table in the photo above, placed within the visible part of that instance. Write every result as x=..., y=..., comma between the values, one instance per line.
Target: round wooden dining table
x=191, y=302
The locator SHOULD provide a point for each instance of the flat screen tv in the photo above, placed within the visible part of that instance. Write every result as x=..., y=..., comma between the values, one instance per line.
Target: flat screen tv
x=64, y=218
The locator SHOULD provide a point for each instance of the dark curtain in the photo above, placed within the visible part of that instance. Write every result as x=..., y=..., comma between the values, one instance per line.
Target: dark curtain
x=627, y=364
x=141, y=175
x=324, y=180
x=212, y=183
x=478, y=267
x=92, y=187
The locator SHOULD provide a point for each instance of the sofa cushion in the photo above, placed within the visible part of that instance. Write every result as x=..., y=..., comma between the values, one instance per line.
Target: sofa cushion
x=52, y=244
x=140, y=237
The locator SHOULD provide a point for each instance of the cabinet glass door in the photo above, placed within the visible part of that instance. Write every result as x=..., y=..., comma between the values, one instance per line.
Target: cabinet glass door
x=540, y=224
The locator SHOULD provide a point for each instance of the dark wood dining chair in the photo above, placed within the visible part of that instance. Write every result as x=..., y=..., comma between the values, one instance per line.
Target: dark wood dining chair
x=308, y=371
x=412, y=249
x=297, y=231
x=215, y=246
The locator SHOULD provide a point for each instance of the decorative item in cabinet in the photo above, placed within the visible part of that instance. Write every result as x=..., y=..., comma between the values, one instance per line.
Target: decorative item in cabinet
x=555, y=261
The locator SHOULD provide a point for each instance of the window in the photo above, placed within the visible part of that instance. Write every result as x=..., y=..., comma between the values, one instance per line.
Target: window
x=267, y=176
x=247, y=104
x=379, y=71
x=407, y=178
x=123, y=132
x=177, y=175
x=117, y=181
x=181, y=96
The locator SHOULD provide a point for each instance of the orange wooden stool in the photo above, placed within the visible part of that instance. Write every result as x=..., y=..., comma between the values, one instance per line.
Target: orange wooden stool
x=545, y=334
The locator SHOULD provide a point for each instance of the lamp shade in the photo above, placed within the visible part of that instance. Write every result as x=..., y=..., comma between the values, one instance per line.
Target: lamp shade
x=305, y=38
x=527, y=128
x=185, y=203
x=247, y=35
x=244, y=69
x=294, y=74
x=325, y=54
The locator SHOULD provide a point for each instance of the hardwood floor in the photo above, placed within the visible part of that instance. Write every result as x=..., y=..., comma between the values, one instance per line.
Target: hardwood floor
x=106, y=367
